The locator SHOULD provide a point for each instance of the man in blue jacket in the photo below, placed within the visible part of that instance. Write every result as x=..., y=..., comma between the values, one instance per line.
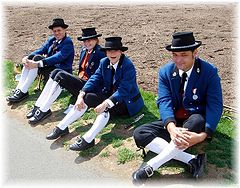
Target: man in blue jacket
x=56, y=52
x=190, y=106
x=112, y=90
x=90, y=57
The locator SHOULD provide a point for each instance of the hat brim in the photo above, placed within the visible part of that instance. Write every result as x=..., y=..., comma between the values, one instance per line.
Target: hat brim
x=123, y=48
x=89, y=37
x=63, y=26
x=185, y=48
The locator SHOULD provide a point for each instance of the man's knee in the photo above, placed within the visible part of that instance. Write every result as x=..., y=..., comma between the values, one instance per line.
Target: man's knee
x=196, y=123
x=137, y=133
x=140, y=135
x=57, y=75
x=37, y=57
x=198, y=119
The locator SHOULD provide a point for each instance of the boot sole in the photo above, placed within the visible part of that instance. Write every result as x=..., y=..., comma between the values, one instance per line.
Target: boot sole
x=62, y=135
x=16, y=101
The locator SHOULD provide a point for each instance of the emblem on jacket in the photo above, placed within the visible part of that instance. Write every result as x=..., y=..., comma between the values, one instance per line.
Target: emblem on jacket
x=91, y=65
x=195, y=97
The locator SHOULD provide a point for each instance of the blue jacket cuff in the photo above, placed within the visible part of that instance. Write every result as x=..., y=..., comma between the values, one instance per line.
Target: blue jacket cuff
x=30, y=57
x=44, y=63
x=168, y=120
x=113, y=100
x=209, y=132
x=84, y=89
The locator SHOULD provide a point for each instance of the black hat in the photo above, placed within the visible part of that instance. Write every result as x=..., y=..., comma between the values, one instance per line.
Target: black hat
x=183, y=41
x=58, y=22
x=114, y=43
x=89, y=33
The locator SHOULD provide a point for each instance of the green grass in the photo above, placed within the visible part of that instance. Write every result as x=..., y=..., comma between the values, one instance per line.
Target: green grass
x=220, y=151
x=9, y=78
x=117, y=143
x=125, y=155
x=105, y=154
x=91, y=152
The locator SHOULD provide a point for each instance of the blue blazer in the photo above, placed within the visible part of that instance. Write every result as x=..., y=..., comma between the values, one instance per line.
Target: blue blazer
x=203, y=94
x=93, y=62
x=124, y=81
x=62, y=59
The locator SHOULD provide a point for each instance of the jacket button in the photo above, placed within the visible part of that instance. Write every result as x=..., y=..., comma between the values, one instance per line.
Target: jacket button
x=129, y=102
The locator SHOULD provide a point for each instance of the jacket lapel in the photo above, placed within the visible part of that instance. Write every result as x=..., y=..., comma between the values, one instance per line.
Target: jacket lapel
x=118, y=72
x=92, y=54
x=193, y=79
x=175, y=79
x=82, y=56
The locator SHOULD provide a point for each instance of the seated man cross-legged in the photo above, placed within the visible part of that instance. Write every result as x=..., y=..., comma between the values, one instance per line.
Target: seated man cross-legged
x=190, y=106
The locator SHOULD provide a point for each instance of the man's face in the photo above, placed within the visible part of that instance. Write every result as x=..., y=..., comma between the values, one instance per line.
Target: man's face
x=59, y=32
x=114, y=55
x=184, y=60
x=90, y=43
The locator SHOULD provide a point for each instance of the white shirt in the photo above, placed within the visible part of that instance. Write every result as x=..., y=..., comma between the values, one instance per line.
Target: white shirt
x=40, y=63
x=114, y=66
x=110, y=103
x=188, y=75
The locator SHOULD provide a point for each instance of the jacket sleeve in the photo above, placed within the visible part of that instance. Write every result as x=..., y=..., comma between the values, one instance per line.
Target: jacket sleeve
x=164, y=101
x=127, y=82
x=214, y=106
x=60, y=56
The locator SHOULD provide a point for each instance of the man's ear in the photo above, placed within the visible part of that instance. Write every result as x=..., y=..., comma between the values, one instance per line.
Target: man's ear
x=195, y=52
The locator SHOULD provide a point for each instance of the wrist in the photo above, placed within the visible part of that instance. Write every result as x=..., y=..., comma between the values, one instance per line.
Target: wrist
x=203, y=136
x=170, y=126
x=109, y=103
x=81, y=94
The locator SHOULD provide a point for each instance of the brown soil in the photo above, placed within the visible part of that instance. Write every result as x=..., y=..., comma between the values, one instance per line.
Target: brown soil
x=144, y=29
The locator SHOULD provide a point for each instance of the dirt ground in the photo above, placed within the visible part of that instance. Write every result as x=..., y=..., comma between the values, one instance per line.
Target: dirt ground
x=145, y=29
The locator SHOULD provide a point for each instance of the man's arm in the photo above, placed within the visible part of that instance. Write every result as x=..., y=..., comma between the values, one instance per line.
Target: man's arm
x=164, y=101
x=214, y=106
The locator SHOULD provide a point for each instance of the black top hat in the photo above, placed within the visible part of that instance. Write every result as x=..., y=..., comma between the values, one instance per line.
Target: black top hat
x=114, y=43
x=183, y=41
x=58, y=22
x=89, y=33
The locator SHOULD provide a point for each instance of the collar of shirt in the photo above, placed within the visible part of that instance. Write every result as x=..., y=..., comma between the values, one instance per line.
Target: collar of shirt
x=89, y=51
x=115, y=65
x=58, y=41
x=188, y=75
x=188, y=72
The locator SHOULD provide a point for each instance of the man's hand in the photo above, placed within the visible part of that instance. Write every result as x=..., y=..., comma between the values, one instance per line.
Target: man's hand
x=101, y=107
x=195, y=138
x=30, y=64
x=24, y=59
x=178, y=135
x=80, y=104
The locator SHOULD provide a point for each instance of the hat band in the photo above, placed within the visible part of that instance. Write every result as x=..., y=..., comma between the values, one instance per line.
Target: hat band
x=189, y=46
x=89, y=34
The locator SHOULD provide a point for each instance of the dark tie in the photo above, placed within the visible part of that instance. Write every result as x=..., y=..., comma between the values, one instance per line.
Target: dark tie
x=183, y=80
x=54, y=47
x=113, y=72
